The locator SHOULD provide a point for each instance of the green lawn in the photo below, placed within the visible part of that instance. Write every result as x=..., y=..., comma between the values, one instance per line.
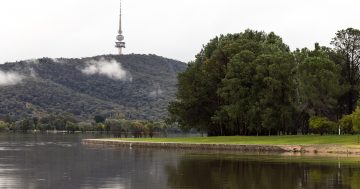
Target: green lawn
x=261, y=140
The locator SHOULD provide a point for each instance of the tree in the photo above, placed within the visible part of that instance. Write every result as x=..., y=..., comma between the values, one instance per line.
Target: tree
x=275, y=75
x=191, y=100
x=150, y=128
x=8, y=119
x=137, y=128
x=236, y=90
x=318, y=83
x=86, y=126
x=116, y=126
x=258, y=90
x=347, y=45
x=25, y=125
x=233, y=86
x=71, y=127
x=99, y=119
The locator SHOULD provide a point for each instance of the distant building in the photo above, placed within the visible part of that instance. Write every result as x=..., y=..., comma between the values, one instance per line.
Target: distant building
x=120, y=44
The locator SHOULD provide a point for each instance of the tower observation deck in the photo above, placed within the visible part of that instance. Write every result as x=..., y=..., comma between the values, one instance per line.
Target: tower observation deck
x=120, y=44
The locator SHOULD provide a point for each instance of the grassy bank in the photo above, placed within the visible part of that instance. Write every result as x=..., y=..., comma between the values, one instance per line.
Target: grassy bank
x=260, y=140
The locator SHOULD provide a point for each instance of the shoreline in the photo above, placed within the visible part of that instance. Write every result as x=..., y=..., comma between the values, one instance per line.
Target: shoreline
x=318, y=149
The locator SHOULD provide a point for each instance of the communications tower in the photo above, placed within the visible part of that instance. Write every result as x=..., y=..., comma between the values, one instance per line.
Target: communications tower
x=120, y=44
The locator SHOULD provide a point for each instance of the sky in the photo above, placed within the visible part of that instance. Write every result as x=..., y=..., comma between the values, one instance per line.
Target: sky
x=174, y=29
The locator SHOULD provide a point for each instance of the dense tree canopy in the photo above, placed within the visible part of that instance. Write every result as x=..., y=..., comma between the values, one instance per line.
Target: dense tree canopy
x=347, y=47
x=318, y=82
x=252, y=84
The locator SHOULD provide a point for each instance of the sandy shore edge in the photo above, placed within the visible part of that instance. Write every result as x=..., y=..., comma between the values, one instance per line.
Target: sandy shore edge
x=313, y=149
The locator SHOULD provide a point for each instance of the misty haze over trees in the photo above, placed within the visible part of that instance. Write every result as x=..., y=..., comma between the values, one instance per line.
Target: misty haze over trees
x=250, y=83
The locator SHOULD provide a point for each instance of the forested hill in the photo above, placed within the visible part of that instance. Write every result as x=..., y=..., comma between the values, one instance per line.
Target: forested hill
x=137, y=86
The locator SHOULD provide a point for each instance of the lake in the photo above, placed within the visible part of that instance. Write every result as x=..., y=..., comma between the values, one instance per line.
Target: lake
x=61, y=161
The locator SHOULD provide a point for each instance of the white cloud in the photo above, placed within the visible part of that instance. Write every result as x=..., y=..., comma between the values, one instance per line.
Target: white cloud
x=111, y=69
x=10, y=78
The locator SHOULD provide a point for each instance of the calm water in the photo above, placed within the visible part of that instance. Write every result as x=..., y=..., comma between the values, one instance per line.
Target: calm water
x=61, y=161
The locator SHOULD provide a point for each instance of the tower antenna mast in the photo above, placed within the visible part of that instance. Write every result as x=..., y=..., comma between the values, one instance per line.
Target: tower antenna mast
x=120, y=44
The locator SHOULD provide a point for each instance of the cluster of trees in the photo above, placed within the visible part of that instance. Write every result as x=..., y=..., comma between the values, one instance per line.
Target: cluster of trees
x=116, y=125
x=252, y=84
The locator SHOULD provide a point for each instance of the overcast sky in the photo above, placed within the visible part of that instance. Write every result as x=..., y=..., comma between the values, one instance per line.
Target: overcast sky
x=171, y=28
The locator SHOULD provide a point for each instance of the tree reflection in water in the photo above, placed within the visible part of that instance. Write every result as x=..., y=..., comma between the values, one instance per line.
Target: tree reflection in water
x=60, y=161
x=214, y=172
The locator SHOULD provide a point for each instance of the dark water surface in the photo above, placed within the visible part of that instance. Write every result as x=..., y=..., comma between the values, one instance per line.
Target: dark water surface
x=61, y=161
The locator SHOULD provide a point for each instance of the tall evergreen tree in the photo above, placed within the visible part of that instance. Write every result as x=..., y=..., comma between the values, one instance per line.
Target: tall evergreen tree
x=251, y=84
x=318, y=82
x=231, y=87
x=347, y=45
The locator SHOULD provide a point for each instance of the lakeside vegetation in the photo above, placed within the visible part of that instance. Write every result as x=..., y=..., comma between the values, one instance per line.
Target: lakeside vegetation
x=250, y=83
x=115, y=124
x=261, y=140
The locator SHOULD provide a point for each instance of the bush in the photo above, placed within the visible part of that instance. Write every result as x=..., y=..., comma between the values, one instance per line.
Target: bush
x=322, y=125
x=346, y=124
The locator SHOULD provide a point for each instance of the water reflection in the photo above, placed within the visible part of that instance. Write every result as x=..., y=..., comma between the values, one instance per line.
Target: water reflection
x=61, y=161
x=221, y=171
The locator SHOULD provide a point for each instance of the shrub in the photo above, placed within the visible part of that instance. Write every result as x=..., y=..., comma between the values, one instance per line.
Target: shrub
x=322, y=125
x=346, y=124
